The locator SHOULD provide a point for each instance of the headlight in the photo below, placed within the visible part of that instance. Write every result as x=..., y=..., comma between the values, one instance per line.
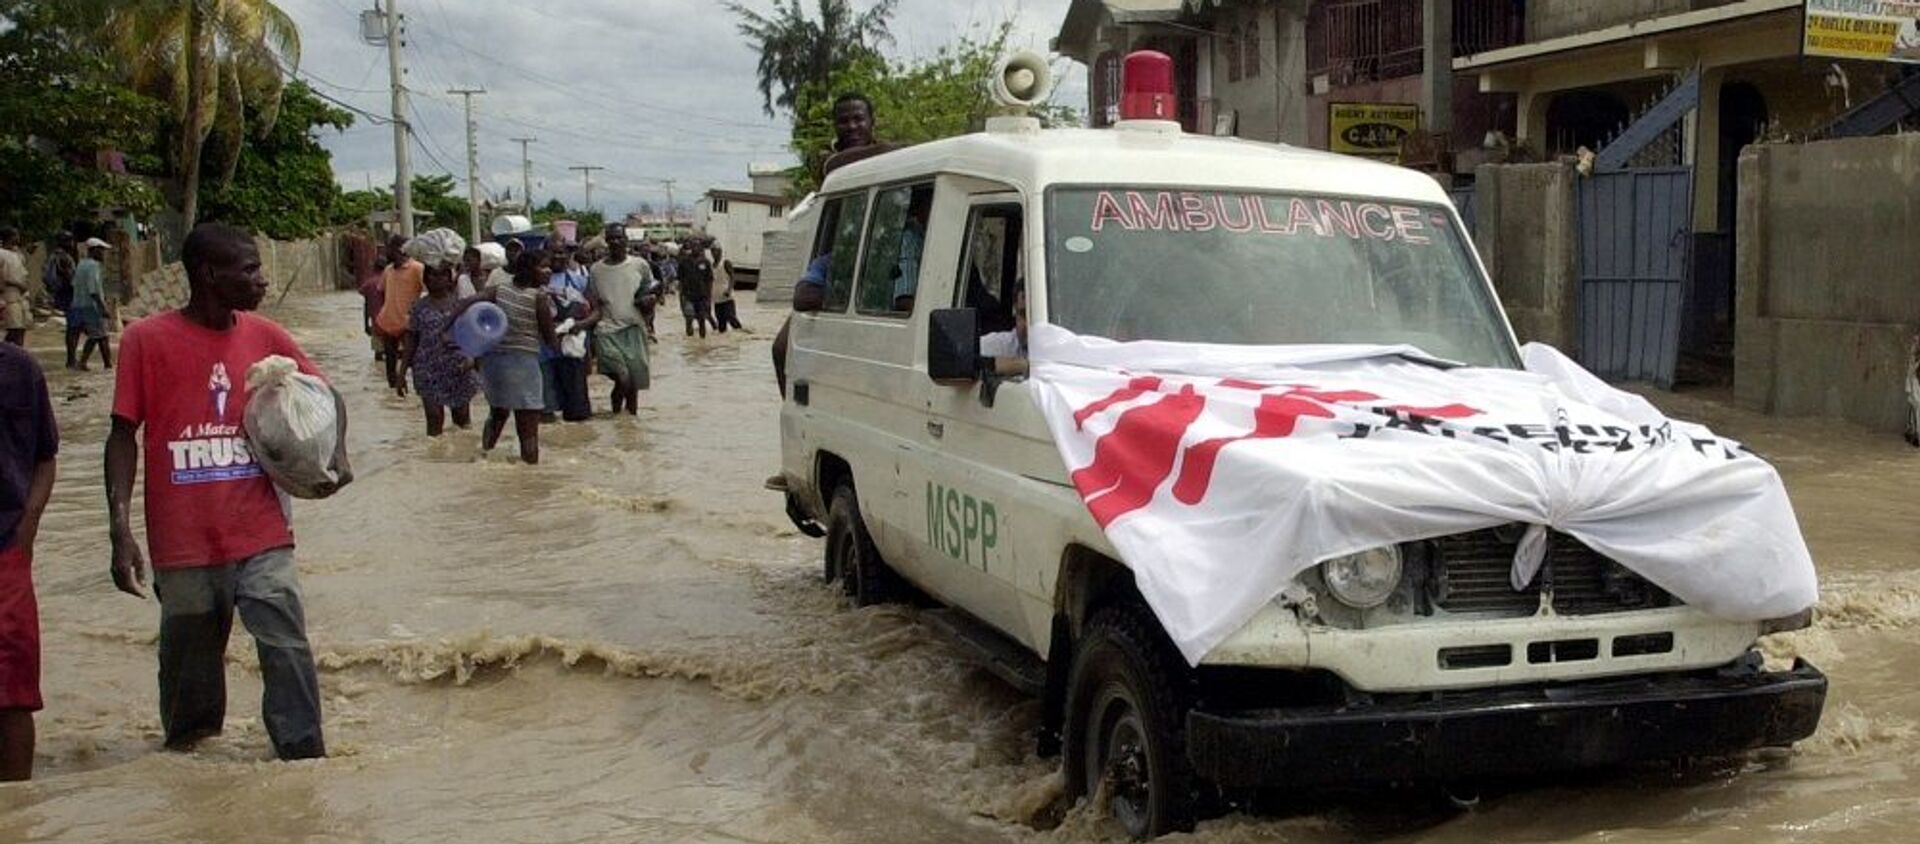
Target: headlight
x=1363, y=580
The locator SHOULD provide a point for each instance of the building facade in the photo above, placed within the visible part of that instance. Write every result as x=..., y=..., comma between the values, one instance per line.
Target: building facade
x=1346, y=75
x=737, y=221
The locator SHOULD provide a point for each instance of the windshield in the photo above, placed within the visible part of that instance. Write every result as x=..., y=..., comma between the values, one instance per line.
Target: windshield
x=1266, y=269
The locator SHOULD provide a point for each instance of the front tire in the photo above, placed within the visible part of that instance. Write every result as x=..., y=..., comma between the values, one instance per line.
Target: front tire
x=1128, y=695
x=852, y=557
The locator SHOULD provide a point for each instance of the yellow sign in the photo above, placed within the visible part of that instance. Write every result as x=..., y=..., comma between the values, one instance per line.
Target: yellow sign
x=1876, y=30
x=1370, y=129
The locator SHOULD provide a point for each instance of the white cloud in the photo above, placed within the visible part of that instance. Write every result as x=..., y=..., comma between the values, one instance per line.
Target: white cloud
x=649, y=89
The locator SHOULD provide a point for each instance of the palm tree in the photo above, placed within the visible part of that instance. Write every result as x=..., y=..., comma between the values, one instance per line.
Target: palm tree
x=210, y=61
x=797, y=51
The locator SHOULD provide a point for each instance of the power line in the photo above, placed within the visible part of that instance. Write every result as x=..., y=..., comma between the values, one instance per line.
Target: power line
x=563, y=86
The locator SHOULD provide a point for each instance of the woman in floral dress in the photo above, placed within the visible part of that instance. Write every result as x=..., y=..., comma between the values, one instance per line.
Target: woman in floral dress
x=442, y=377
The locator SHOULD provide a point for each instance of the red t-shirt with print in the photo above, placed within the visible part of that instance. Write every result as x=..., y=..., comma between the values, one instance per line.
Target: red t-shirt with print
x=207, y=501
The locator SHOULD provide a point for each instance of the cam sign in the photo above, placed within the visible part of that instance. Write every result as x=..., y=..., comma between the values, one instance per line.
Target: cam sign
x=1879, y=30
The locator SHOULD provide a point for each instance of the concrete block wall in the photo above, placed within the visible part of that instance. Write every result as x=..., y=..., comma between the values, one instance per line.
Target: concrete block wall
x=312, y=265
x=1827, y=298
x=782, y=260
x=1528, y=238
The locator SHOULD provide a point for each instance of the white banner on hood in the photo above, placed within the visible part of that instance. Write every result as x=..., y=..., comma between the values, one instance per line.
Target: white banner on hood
x=1220, y=473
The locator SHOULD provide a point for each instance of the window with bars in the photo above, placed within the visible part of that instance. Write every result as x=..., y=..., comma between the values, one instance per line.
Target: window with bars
x=1232, y=44
x=1356, y=41
x=1251, y=57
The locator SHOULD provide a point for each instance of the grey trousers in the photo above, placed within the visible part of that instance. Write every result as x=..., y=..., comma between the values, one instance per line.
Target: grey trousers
x=196, y=616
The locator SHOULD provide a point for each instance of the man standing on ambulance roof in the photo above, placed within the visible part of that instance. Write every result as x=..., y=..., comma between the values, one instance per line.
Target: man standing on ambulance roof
x=217, y=529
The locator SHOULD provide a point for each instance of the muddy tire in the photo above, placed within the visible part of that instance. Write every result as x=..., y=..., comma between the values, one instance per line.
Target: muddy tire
x=852, y=558
x=1128, y=694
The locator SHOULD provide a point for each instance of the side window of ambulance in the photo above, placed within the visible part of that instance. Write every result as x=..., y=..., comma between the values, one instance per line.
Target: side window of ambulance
x=840, y=231
x=990, y=265
x=896, y=237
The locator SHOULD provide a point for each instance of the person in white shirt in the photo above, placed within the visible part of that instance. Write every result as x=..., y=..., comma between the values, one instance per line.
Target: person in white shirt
x=1006, y=351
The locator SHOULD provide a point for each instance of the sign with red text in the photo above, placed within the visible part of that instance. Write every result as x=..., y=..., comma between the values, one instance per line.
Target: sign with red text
x=1221, y=473
x=1253, y=213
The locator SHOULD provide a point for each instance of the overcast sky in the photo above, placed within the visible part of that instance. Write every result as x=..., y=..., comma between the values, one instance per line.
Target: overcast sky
x=649, y=89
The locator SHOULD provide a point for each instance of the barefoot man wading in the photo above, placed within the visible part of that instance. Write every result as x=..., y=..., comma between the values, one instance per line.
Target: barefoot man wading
x=217, y=534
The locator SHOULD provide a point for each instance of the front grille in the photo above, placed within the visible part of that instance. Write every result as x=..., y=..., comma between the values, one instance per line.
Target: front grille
x=1473, y=574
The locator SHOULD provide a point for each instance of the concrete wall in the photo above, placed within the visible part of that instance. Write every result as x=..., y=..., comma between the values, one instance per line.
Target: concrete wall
x=1554, y=18
x=784, y=257
x=1269, y=106
x=1828, y=291
x=311, y=265
x=1528, y=238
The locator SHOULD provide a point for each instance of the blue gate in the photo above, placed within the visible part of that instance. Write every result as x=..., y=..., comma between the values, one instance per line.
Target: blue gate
x=1635, y=231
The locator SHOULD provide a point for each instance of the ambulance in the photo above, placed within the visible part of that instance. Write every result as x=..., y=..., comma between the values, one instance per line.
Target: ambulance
x=932, y=476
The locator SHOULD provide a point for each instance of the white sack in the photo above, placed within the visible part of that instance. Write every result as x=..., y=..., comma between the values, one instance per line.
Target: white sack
x=438, y=246
x=1360, y=447
x=492, y=256
x=293, y=427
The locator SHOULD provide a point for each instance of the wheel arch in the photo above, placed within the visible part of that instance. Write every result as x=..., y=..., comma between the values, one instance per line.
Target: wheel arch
x=1089, y=580
x=829, y=471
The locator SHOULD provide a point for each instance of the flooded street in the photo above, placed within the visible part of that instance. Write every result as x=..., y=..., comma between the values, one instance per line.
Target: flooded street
x=629, y=642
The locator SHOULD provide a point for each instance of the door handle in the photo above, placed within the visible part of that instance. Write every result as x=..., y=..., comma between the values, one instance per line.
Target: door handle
x=936, y=429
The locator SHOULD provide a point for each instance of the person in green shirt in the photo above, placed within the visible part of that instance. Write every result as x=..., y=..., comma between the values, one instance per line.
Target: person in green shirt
x=89, y=311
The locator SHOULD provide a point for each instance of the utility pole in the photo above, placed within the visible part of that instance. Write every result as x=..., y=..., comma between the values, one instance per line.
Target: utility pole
x=402, y=168
x=586, y=173
x=669, y=183
x=473, y=166
x=526, y=175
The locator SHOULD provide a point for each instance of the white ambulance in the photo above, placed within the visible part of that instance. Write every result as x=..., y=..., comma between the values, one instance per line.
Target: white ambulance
x=930, y=471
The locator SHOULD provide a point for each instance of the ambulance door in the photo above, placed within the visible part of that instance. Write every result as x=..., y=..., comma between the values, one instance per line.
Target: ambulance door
x=883, y=389
x=983, y=496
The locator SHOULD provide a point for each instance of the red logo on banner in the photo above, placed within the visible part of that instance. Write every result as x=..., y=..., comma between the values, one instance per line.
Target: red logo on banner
x=1131, y=461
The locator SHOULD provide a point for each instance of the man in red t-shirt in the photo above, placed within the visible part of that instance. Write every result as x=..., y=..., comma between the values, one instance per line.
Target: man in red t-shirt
x=217, y=528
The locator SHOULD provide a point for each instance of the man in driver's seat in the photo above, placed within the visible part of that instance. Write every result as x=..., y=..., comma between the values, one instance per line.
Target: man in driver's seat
x=1005, y=352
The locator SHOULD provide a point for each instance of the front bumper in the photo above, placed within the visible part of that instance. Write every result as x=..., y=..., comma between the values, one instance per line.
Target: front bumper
x=1510, y=731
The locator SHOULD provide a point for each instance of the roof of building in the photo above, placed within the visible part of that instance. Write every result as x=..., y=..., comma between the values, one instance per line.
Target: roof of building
x=768, y=169
x=1084, y=16
x=1640, y=29
x=1030, y=162
x=749, y=196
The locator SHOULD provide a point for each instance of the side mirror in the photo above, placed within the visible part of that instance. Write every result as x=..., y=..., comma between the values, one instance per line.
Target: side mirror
x=953, y=345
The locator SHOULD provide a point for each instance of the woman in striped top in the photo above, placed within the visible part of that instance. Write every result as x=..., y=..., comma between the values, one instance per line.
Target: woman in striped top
x=510, y=373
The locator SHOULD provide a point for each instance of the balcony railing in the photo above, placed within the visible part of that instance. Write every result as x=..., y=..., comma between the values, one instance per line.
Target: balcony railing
x=1356, y=41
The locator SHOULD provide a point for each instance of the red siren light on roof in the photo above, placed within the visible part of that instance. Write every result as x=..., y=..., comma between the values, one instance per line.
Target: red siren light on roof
x=1146, y=86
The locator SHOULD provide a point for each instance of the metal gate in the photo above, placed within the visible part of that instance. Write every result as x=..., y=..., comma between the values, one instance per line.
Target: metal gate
x=1464, y=202
x=1635, y=230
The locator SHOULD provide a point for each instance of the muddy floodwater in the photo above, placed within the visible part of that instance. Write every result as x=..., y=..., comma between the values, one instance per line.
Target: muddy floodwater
x=628, y=642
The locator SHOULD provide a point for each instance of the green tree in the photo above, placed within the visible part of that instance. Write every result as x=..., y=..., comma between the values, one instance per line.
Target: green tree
x=58, y=111
x=282, y=184
x=215, y=63
x=354, y=205
x=436, y=195
x=799, y=54
x=913, y=102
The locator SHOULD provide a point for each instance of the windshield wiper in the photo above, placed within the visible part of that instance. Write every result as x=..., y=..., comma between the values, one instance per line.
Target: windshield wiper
x=1441, y=364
